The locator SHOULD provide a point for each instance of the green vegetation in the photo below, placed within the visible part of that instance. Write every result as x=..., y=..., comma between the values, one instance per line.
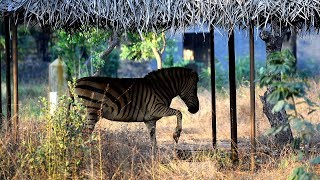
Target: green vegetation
x=289, y=92
x=27, y=43
x=81, y=52
x=2, y=45
x=56, y=151
x=145, y=46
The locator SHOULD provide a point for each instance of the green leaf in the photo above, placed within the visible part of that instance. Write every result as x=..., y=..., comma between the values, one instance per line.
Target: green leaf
x=274, y=97
x=270, y=131
x=301, y=154
x=296, y=143
x=315, y=160
x=300, y=173
x=297, y=124
x=309, y=102
x=289, y=107
x=279, y=106
x=296, y=173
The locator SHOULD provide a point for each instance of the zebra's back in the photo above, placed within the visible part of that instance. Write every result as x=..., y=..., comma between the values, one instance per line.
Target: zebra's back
x=117, y=99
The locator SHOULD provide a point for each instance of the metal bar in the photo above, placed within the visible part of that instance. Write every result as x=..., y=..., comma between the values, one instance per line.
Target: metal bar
x=252, y=98
x=1, y=116
x=8, y=61
x=213, y=89
x=233, y=101
x=15, y=118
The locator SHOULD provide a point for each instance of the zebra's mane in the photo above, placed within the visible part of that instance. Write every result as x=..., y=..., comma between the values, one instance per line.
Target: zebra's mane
x=165, y=70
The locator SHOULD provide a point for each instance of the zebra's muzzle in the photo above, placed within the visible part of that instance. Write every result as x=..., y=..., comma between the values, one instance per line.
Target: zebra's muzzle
x=193, y=110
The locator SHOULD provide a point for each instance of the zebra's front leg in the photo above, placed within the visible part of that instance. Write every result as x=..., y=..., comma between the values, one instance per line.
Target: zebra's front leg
x=176, y=134
x=151, y=125
x=166, y=111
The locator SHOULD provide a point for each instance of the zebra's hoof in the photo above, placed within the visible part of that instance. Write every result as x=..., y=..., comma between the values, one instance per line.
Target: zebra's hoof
x=176, y=136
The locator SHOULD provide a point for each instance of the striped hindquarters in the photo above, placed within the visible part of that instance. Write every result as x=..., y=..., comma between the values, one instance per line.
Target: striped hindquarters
x=116, y=99
x=91, y=95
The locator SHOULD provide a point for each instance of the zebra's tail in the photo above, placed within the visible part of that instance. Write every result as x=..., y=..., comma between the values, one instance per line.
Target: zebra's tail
x=72, y=100
x=70, y=103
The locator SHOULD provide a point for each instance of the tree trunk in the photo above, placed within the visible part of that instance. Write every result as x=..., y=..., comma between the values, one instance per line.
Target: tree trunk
x=277, y=119
x=273, y=43
x=113, y=43
x=157, y=55
x=290, y=42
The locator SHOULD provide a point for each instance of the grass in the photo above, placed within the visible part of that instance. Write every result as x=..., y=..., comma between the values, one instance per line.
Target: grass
x=122, y=150
x=29, y=94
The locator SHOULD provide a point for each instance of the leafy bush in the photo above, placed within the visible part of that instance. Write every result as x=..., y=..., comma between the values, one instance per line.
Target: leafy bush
x=61, y=151
x=205, y=78
x=243, y=69
x=279, y=75
x=171, y=49
x=57, y=151
x=62, y=147
x=81, y=52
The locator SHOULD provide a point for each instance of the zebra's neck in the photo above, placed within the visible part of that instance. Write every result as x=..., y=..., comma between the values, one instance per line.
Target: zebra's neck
x=166, y=82
x=167, y=87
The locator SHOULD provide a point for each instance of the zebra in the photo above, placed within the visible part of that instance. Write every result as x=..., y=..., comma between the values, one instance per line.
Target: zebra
x=144, y=99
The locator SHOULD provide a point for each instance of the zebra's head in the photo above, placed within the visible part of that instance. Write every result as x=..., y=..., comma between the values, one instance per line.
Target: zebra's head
x=189, y=92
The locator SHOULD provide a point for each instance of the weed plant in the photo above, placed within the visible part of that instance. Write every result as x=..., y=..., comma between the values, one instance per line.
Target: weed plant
x=287, y=93
x=54, y=148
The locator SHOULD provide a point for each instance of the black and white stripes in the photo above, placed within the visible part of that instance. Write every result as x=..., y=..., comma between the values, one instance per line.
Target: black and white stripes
x=139, y=99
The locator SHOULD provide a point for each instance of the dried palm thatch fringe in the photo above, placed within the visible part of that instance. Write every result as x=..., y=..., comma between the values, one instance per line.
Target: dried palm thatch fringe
x=156, y=15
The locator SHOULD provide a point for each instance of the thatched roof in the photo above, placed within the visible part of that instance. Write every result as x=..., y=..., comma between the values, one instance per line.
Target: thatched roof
x=146, y=15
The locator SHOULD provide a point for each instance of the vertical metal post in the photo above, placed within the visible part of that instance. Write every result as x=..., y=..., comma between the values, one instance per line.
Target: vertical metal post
x=0, y=90
x=8, y=61
x=252, y=98
x=233, y=101
x=15, y=79
x=213, y=89
x=1, y=116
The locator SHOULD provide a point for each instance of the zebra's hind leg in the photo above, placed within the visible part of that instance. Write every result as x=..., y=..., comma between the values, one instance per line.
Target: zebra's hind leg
x=92, y=119
x=151, y=125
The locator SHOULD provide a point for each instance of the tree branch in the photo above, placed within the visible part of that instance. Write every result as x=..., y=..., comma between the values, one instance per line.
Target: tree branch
x=113, y=43
x=163, y=36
